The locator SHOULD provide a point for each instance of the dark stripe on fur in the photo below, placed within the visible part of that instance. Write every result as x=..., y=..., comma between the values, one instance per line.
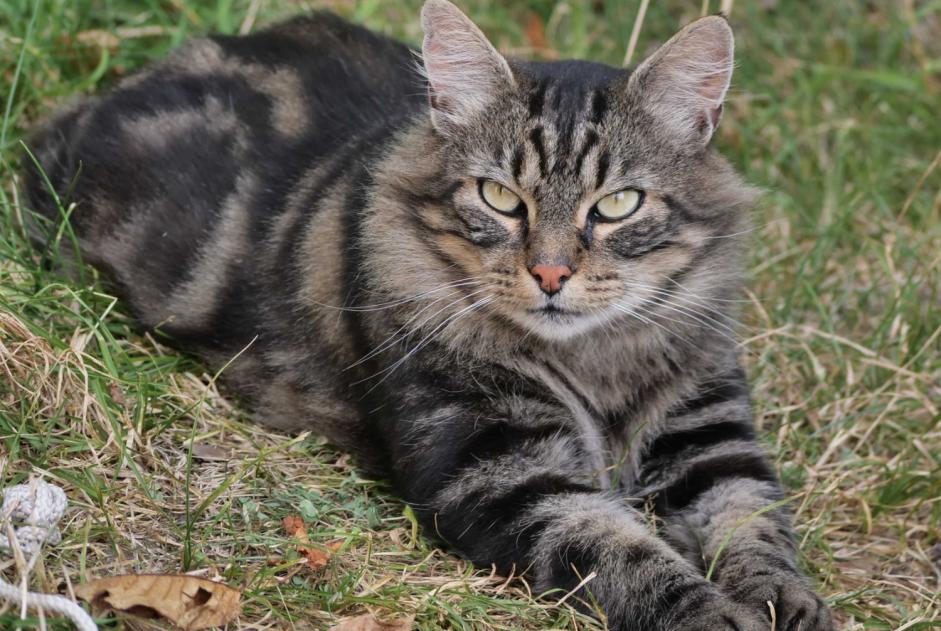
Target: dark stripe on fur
x=535, y=137
x=537, y=99
x=496, y=538
x=668, y=445
x=517, y=163
x=604, y=163
x=586, y=403
x=705, y=474
x=599, y=105
x=591, y=139
x=502, y=437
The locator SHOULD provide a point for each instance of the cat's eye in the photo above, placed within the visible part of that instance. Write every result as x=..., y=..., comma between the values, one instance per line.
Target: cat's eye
x=500, y=198
x=620, y=205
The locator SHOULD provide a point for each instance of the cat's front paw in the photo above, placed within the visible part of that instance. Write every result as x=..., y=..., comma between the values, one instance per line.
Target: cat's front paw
x=796, y=606
x=718, y=614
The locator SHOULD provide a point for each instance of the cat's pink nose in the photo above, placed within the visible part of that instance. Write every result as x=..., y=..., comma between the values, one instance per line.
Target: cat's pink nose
x=550, y=277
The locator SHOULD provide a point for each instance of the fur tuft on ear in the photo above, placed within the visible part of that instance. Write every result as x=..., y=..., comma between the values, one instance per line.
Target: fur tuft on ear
x=463, y=69
x=683, y=84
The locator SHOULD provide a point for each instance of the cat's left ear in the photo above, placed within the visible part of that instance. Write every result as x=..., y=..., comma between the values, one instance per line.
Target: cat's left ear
x=683, y=84
x=465, y=72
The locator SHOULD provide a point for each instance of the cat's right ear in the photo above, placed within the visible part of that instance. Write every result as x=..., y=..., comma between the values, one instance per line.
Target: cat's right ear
x=465, y=72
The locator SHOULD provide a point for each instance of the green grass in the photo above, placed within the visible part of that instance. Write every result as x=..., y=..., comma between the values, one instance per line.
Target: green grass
x=834, y=111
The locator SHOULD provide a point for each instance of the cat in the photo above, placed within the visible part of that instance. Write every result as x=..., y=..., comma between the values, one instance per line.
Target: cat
x=508, y=287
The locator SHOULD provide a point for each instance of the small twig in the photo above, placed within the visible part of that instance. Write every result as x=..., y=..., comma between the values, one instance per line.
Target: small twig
x=635, y=32
x=726, y=7
x=581, y=584
x=250, y=16
x=918, y=185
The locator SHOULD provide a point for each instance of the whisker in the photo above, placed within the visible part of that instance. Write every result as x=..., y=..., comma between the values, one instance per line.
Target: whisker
x=634, y=312
x=731, y=234
x=688, y=292
x=426, y=340
x=401, y=301
x=395, y=338
x=703, y=318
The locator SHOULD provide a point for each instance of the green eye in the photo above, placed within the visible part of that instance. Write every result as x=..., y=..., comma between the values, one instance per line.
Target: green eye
x=499, y=197
x=619, y=205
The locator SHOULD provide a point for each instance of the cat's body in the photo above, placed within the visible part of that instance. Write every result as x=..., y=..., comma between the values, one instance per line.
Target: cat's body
x=526, y=379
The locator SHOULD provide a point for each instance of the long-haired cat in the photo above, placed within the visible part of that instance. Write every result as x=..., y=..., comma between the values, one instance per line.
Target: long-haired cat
x=508, y=287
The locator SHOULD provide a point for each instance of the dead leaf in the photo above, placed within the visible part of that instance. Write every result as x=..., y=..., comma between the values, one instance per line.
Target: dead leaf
x=369, y=622
x=317, y=558
x=203, y=451
x=189, y=602
x=536, y=32
x=117, y=396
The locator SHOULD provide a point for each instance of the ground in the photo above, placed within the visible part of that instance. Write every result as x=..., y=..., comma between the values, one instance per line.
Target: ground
x=834, y=112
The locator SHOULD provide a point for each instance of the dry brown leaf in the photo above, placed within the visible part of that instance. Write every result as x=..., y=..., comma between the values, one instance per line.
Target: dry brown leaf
x=295, y=527
x=317, y=558
x=118, y=396
x=202, y=451
x=535, y=31
x=189, y=602
x=369, y=622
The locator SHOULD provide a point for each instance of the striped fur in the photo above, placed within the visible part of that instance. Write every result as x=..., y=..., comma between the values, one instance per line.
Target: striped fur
x=296, y=199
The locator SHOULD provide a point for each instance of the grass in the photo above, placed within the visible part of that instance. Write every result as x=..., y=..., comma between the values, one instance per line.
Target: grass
x=834, y=112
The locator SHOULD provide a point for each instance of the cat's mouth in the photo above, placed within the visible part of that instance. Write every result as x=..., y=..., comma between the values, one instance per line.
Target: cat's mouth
x=553, y=311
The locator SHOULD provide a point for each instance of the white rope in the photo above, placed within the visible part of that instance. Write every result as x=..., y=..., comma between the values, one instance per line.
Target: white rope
x=28, y=520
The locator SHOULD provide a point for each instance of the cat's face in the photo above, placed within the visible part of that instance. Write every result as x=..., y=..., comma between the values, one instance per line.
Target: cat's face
x=580, y=195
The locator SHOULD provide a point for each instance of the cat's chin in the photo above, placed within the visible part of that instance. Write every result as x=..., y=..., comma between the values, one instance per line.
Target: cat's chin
x=560, y=326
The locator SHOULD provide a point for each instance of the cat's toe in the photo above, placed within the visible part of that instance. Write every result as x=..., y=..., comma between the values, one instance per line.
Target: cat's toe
x=721, y=615
x=796, y=606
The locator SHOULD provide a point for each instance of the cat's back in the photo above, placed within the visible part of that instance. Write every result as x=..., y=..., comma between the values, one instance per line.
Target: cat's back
x=210, y=143
x=326, y=78
x=184, y=127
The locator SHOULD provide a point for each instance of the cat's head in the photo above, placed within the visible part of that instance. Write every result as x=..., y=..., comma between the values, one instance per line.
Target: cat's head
x=576, y=194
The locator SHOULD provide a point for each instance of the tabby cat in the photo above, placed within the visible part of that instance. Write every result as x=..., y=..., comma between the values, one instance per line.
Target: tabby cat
x=509, y=287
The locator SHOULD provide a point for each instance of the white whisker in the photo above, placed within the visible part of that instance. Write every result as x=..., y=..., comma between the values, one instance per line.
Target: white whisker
x=395, y=338
x=439, y=329
x=401, y=301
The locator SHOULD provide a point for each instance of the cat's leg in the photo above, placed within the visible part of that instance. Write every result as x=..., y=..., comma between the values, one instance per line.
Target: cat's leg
x=508, y=483
x=716, y=491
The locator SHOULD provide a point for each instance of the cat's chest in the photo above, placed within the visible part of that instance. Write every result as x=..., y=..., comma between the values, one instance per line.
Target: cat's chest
x=615, y=382
x=611, y=397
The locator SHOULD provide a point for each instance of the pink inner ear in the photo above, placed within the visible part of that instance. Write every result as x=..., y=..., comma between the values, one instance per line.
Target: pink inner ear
x=713, y=85
x=435, y=69
x=699, y=67
x=464, y=71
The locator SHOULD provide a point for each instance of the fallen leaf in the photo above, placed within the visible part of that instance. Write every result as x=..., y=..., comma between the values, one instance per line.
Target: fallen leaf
x=369, y=622
x=117, y=396
x=317, y=558
x=535, y=31
x=189, y=602
x=202, y=451
x=295, y=527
